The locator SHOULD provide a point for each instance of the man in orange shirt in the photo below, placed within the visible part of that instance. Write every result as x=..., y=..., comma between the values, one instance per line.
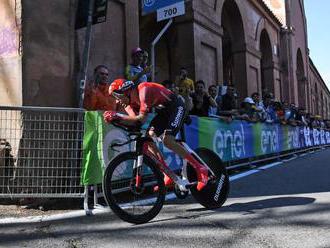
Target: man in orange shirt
x=97, y=92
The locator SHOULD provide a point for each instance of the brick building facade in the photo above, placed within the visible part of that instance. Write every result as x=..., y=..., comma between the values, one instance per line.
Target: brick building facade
x=255, y=45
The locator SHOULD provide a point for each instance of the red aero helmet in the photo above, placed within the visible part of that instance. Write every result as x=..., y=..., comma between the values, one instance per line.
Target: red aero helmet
x=116, y=85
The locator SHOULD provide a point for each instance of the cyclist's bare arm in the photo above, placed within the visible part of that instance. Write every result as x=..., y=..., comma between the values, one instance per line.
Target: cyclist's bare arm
x=130, y=111
x=132, y=119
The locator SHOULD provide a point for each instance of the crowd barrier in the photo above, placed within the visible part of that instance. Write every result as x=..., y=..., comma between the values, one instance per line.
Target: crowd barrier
x=57, y=152
x=233, y=141
x=40, y=152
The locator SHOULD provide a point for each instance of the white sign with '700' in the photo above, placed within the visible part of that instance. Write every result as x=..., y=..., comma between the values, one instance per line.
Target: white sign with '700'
x=171, y=11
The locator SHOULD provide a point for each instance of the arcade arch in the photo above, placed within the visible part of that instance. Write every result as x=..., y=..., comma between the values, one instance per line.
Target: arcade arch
x=233, y=47
x=301, y=80
x=266, y=63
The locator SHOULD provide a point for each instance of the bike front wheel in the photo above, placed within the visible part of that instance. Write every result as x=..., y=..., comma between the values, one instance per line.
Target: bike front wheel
x=131, y=201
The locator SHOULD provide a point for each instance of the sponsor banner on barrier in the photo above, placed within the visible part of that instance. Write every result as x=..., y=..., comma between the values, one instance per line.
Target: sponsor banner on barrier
x=233, y=141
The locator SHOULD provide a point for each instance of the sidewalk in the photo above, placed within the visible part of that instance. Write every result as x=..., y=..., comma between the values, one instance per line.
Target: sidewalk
x=13, y=209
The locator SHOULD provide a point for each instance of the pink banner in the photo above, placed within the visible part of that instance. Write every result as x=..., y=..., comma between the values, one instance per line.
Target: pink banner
x=8, y=41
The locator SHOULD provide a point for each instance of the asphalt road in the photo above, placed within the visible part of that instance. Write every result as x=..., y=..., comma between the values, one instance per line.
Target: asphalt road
x=287, y=205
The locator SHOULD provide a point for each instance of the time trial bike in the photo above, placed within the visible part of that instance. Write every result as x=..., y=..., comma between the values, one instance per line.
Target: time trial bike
x=134, y=187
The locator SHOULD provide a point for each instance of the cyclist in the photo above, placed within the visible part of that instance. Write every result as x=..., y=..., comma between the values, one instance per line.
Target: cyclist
x=138, y=101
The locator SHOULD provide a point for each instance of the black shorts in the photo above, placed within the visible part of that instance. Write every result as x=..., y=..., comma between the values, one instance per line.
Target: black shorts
x=170, y=118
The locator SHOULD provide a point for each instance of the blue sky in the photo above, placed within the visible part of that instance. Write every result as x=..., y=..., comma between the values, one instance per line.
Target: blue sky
x=318, y=28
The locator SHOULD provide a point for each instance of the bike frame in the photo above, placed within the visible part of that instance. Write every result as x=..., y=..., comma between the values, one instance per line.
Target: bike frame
x=144, y=145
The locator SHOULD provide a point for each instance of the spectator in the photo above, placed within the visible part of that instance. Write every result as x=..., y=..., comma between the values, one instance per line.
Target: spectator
x=268, y=108
x=213, y=93
x=228, y=103
x=185, y=84
x=289, y=116
x=301, y=117
x=145, y=57
x=134, y=71
x=311, y=121
x=201, y=100
x=258, y=105
x=315, y=123
x=278, y=107
x=96, y=91
x=322, y=124
x=248, y=111
x=327, y=124
x=144, y=64
x=171, y=86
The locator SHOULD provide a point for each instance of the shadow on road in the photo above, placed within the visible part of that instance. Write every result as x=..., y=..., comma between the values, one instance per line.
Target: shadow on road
x=262, y=204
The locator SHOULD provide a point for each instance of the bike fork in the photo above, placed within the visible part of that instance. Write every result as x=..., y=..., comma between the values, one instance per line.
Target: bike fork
x=137, y=171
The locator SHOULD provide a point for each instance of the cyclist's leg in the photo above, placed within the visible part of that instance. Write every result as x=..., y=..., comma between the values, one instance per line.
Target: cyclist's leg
x=169, y=124
x=156, y=126
x=201, y=170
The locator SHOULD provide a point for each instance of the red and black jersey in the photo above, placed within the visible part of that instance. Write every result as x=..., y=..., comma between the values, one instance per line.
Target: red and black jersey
x=150, y=95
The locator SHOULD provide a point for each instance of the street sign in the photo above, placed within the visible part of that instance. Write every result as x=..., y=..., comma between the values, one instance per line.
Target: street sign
x=149, y=6
x=99, y=14
x=170, y=11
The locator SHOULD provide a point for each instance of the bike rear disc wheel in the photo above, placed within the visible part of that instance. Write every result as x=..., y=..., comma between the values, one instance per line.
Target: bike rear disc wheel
x=215, y=193
x=132, y=204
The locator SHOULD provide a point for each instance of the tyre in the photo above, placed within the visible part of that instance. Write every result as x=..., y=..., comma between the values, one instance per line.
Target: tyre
x=215, y=193
x=130, y=203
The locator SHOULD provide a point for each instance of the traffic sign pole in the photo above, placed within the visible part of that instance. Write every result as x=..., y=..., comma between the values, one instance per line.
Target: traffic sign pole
x=85, y=59
x=153, y=44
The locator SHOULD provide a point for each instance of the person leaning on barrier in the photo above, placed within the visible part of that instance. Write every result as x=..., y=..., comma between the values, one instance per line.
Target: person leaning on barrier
x=258, y=106
x=289, y=116
x=301, y=117
x=248, y=111
x=202, y=101
x=96, y=91
x=213, y=92
x=171, y=86
x=228, y=107
x=268, y=108
x=278, y=107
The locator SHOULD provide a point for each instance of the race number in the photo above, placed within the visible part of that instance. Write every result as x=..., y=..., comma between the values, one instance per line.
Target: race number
x=170, y=11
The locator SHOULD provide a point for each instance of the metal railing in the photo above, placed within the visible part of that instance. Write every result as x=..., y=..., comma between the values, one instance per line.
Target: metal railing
x=40, y=152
